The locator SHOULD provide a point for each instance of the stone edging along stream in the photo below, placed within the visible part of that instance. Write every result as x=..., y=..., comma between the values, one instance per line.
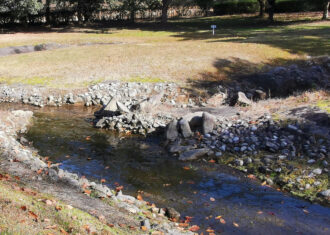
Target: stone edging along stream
x=13, y=122
x=288, y=154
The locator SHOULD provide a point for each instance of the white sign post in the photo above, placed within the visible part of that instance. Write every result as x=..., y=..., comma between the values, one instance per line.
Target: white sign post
x=213, y=27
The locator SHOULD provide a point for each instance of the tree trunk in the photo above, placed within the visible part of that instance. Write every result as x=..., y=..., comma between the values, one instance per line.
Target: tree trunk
x=166, y=4
x=48, y=11
x=326, y=10
x=271, y=9
x=262, y=8
x=132, y=17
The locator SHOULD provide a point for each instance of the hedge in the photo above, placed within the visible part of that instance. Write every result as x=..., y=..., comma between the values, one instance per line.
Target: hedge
x=229, y=7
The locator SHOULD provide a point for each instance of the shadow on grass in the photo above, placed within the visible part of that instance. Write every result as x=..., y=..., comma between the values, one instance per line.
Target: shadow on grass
x=293, y=76
x=288, y=32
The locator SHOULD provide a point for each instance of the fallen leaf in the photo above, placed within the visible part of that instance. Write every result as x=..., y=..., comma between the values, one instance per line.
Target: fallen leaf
x=305, y=211
x=235, y=224
x=33, y=215
x=218, y=217
x=111, y=225
x=222, y=221
x=23, y=208
x=119, y=188
x=88, y=138
x=107, y=167
x=186, y=168
x=210, y=230
x=39, y=171
x=144, y=228
x=86, y=227
x=51, y=227
x=212, y=161
x=212, y=199
x=103, y=180
x=251, y=177
x=183, y=225
x=17, y=178
x=58, y=208
x=194, y=228
x=264, y=183
x=63, y=231
x=139, y=197
x=88, y=192
x=190, y=202
x=259, y=212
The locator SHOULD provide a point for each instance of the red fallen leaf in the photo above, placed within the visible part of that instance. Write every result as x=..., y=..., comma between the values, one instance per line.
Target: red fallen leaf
x=103, y=180
x=139, y=197
x=15, y=160
x=122, y=225
x=58, y=208
x=23, y=208
x=222, y=221
x=186, y=168
x=188, y=218
x=190, y=202
x=131, y=227
x=116, y=184
x=212, y=161
x=49, y=163
x=194, y=228
x=88, y=138
x=33, y=215
x=235, y=224
x=39, y=171
x=111, y=225
x=46, y=158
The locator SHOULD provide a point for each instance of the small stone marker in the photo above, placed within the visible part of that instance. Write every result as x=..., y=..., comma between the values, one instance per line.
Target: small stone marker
x=213, y=27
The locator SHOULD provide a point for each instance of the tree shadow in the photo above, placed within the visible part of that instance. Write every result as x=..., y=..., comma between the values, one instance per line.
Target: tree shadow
x=293, y=76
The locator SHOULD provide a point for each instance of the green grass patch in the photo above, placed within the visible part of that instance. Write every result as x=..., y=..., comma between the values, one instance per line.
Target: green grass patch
x=324, y=105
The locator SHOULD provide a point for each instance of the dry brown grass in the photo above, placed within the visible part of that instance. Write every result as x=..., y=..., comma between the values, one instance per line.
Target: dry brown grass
x=148, y=55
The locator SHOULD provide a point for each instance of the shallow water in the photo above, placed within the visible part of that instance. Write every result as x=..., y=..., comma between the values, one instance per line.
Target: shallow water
x=140, y=164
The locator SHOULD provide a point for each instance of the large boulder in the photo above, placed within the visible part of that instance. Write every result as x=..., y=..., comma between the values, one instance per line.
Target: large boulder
x=209, y=122
x=111, y=106
x=172, y=131
x=185, y=128
x=195, y=120
x=147, y=104
x=193, y=154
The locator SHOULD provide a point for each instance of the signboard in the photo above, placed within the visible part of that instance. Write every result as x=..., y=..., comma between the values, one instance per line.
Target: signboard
x=213, y=27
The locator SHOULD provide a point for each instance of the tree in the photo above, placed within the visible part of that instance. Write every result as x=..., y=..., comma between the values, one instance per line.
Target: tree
x=205, y=5
x=271, y=9
x=326, y=9
x=262, y=5
x=165, y=6
x=21, y=9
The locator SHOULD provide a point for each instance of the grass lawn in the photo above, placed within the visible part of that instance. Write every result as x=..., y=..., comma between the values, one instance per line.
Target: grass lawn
x=26, y=211
x=183, y=51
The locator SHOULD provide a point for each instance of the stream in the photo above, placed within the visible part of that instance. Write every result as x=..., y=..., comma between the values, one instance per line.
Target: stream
x=201, y=190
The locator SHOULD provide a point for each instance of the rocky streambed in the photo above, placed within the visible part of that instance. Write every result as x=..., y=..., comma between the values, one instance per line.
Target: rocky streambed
x=217, y=198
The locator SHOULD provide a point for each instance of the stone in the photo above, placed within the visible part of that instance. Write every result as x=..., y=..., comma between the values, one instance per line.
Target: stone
x=317, y=171
x=325, y=193
x=146, y=223
x=208, y=122
x=111, y=106
x=171, y=213
x=242, y=99
x=172, y=131
x=193, y=154
x=259, y=95
x=122, y=108
x=185, y=128
x=239, y=162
